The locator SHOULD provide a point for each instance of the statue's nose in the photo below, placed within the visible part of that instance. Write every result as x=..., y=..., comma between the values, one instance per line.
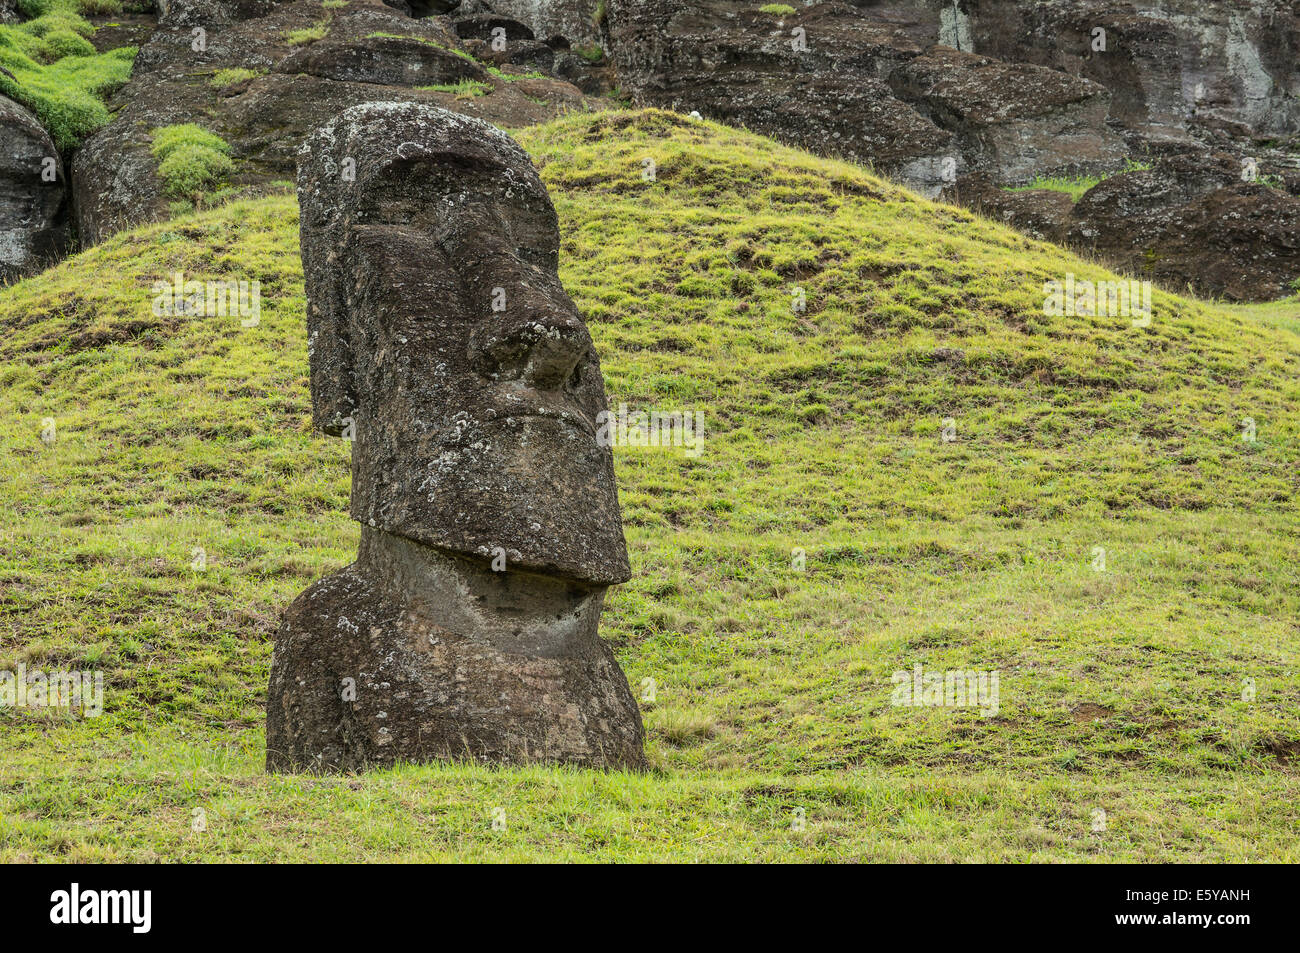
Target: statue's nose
x=557, y=344
x=540, y=347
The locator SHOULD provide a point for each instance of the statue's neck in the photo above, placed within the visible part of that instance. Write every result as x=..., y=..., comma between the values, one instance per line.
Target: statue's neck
x=515, y=612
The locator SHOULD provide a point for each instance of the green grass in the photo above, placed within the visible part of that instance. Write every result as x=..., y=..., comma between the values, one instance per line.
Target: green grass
x=1121, y=689
x=465, y=89
x=308, y=34
x=33, y=9
x=776, y=9
x=192, y=162
x=1075, y=186
x=1281, y=314
x=515, y=77
x=223, y=78
x=57, y=74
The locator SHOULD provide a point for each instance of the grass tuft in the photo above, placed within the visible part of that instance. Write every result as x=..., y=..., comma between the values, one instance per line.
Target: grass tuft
x=309, y=34
x=1077, y=186
x=191, y=160
x=224, y=78
x=465, y=89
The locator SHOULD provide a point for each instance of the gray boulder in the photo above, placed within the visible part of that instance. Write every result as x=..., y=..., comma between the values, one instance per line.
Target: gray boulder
x=581, y=22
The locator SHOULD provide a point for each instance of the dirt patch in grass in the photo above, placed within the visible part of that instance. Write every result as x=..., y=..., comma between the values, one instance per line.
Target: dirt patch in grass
x=1089, y=711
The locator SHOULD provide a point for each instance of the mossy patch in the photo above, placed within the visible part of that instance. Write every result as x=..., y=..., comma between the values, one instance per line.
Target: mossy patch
x=507, y=77
x=307, y=35
x=465, y=89
x=33, y=9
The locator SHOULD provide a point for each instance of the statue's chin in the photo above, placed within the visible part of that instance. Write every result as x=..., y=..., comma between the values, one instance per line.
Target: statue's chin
x=513, y=611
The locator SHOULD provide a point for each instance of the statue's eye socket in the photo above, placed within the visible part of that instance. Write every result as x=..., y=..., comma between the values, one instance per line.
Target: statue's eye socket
x=575, y=376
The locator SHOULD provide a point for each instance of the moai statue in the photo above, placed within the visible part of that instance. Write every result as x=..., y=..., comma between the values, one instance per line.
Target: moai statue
x=442, y=343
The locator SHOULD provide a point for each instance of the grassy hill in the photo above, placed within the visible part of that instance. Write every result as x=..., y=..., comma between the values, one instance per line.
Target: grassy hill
x=1120, y=690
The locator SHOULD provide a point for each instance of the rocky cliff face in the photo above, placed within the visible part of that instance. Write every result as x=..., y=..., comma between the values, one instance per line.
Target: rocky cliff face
x=1171, y=65
x=1167, y=64
x=1186, y=114
x=832, y=79
x=1155, y=72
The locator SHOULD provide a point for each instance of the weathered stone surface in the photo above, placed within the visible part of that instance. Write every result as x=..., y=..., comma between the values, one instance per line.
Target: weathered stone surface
x=441, y=338
x=385, y=60
x=484, y=26
x=1012, y=121
x=206, y=13
x=1039, y=213
x=731, y=63
x=859, y=86
x=1012, y=91
x=1171, y=65
x=578, y=21
x=426, y=692
x=33, y=211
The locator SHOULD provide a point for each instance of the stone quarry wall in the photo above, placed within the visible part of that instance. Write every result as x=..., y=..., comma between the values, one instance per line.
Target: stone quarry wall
x=1170, y=101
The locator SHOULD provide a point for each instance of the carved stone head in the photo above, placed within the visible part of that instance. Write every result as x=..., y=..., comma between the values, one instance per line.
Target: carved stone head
x=441, y=338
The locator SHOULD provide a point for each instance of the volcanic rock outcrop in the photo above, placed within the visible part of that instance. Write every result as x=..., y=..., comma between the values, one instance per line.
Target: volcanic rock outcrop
x=831, y=79
x=441, y=340
x=959, y=99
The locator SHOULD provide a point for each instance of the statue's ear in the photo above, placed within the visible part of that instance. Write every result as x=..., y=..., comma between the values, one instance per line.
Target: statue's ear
x=329, y=345
x=327, y=175
x=332, y=401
